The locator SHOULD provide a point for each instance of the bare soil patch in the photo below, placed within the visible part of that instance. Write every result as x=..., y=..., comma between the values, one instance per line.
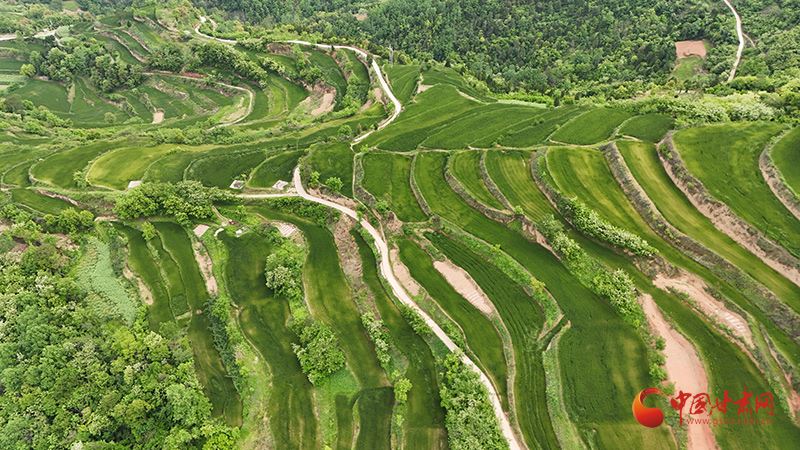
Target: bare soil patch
x=683, y=367
x=158, y=116
x=348, y=250
x=204, y=262
x=694, y=287
x=326, y=104
x=686, y=49
x=465, y=285
x=423, y=87
x=402, y=274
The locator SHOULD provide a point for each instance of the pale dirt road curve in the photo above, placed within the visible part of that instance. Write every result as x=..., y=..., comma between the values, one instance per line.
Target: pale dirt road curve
x=397, y=289
x=384, y=85
x=741, y=39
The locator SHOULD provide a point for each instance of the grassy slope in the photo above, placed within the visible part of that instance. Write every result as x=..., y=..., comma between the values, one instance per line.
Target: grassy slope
x=58, y=169
x=386, y=176
x=523, y=318
x=330, y=301
x=487, y=119
x=142, y=262
x=786, y=156
x=334, y=160
x=262, y=319
x=465, y=166
x=117, y=168
x=649, y=127
x=482, y=337
x=597, y=342
x=278, y=167
x=404, y=81
x=424, y=424
x=594, y=126
x=434, y=107
x=533, y=131
x=643, y=162
x=725, y=159
x=39, y=202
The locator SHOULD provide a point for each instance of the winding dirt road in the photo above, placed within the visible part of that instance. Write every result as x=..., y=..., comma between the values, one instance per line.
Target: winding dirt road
x=383, y=249
x=741, y=39
x=384, y=85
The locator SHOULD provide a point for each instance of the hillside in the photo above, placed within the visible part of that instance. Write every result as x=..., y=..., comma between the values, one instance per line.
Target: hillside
x=226, y=235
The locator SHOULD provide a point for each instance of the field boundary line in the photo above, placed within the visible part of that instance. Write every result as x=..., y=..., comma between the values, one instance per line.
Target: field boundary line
x=775, y=180
x=723, y=218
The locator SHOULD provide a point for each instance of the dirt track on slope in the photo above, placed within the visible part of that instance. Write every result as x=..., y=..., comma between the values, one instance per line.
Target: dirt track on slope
x=683, y=367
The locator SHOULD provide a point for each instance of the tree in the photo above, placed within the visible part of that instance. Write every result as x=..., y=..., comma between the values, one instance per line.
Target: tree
x=148, y=231
x=382, y=207
x=319, y=353
x=27, y=70
x=401, y=388
x=334, y=184
x=345, y=131
x=313, y=180
x=110, y=118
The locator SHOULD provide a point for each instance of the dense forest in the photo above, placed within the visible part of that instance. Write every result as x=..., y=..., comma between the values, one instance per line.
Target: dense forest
x=535, y=46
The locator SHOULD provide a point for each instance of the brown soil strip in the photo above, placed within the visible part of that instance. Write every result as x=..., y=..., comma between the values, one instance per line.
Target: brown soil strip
x=777, y=185
x=683, y=367
x=147, y=296
x=58, y=196
x=460, y=280
x=204, y=262
x=402, y=274
x=349, y=257
x=694, y=287
x=423, y=87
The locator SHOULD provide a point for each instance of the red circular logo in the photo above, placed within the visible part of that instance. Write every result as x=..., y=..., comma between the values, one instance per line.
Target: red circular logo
x=649, y=417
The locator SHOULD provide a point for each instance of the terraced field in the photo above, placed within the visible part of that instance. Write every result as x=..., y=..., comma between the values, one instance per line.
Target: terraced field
x=424, y=425
x=334, y=160
x=643, y=162
x=404, y=80
x=725, y=159
x=330, y=301
x=524, y=319
x=591, y=127
x=465, y=166
x=648, y=128
x=448, y=126
x=262, y=319
x=396, y=190
x=597, y=340
x=584, y=173
x=482, y=337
